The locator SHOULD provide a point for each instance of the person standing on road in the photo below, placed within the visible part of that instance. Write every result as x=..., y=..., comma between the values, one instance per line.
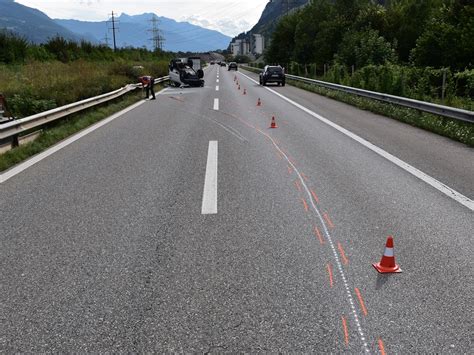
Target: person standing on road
x=148, y=83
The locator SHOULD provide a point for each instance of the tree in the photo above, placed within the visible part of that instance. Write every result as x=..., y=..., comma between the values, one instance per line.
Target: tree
x=282, y=44
x=447, y=40
x=406, y=20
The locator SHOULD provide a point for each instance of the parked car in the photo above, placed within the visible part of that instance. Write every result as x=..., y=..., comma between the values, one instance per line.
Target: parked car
x=232, y=65
x=272, y=74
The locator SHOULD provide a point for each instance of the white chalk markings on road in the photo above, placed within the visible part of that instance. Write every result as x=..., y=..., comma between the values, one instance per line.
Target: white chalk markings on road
x=448, y=191
x=216, y=104
x=209, y=195
x=331, y=243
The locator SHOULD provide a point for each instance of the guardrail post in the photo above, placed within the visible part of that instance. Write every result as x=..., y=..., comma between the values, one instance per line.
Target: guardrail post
x=15, y=140
x=443, y=88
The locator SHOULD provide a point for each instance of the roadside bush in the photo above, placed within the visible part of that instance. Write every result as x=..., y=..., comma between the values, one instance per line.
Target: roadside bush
x=13, y=49
x=21, y=105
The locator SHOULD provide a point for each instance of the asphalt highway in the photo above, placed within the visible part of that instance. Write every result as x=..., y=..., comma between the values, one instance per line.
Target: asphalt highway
x=186, y=224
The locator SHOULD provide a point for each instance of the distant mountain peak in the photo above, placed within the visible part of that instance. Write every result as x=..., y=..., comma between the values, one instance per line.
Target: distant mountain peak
x=134, y=31
x=37, y=27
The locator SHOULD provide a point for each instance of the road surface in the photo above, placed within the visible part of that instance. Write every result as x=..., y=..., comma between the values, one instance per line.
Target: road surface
x=187, y=225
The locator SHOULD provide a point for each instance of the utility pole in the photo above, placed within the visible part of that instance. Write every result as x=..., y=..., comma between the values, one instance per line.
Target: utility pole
x=114, y=27
x=156, y=37
x=106, y=39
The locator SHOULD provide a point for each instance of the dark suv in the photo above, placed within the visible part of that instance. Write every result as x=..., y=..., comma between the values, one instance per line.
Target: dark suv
x=232, y=65
x=272, y=74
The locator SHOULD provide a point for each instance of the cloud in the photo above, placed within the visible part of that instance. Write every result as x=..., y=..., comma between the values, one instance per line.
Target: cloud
x=88, y=2
x=227, y=26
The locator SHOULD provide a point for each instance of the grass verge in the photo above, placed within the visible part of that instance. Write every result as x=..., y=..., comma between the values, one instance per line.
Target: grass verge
x=451, y=128
x=64, y=128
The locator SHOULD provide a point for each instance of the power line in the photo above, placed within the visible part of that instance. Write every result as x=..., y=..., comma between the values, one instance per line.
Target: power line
x=157, y=39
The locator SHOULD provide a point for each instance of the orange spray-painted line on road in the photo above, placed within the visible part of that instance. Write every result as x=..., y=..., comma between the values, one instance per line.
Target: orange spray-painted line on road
x=328, y=220
x=328, y=267
x=314, y=196
x=345, y=261
x=381, y=347
x=277, y=153
x=304, y=177
x=318, y=234
x=361, y=301
x=290, y=170
x=298, y=186
x=305, y=204
x=346, y=332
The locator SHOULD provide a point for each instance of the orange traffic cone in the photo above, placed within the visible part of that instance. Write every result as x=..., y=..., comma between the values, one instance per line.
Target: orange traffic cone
x=273, y=124
x=245, y=92
x=387, y=263
x=259, y=103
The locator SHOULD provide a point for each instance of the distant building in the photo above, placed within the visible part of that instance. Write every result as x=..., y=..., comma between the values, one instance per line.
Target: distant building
x=235, y=47
x=258, y=44
x=251, y=45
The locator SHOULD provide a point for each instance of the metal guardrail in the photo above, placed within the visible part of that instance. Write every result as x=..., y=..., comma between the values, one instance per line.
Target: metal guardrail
x=13, y=128
x=440, y=110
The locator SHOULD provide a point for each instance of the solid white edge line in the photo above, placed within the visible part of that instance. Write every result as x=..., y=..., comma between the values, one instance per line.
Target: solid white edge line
x=216, y=104
x=62, y=144
x=209, y=194
x=455, y=195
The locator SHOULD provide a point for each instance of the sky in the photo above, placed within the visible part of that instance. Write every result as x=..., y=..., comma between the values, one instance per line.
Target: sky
x=228, y=17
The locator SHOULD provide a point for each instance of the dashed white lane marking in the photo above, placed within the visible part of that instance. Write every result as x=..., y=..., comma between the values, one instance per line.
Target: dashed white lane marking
x=209, y=195
x=217, y=87
x=216, y=104
x=217, y=80
x=448, y=191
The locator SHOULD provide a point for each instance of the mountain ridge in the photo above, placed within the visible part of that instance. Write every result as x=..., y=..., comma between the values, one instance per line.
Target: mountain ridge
x=22, y=19
x=134, y=30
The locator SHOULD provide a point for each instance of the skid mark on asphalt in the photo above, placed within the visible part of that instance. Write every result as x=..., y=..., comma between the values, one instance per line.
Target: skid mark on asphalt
x=324, y=224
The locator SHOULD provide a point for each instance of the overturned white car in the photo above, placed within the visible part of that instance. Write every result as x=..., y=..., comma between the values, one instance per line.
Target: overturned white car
x=186, y=72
